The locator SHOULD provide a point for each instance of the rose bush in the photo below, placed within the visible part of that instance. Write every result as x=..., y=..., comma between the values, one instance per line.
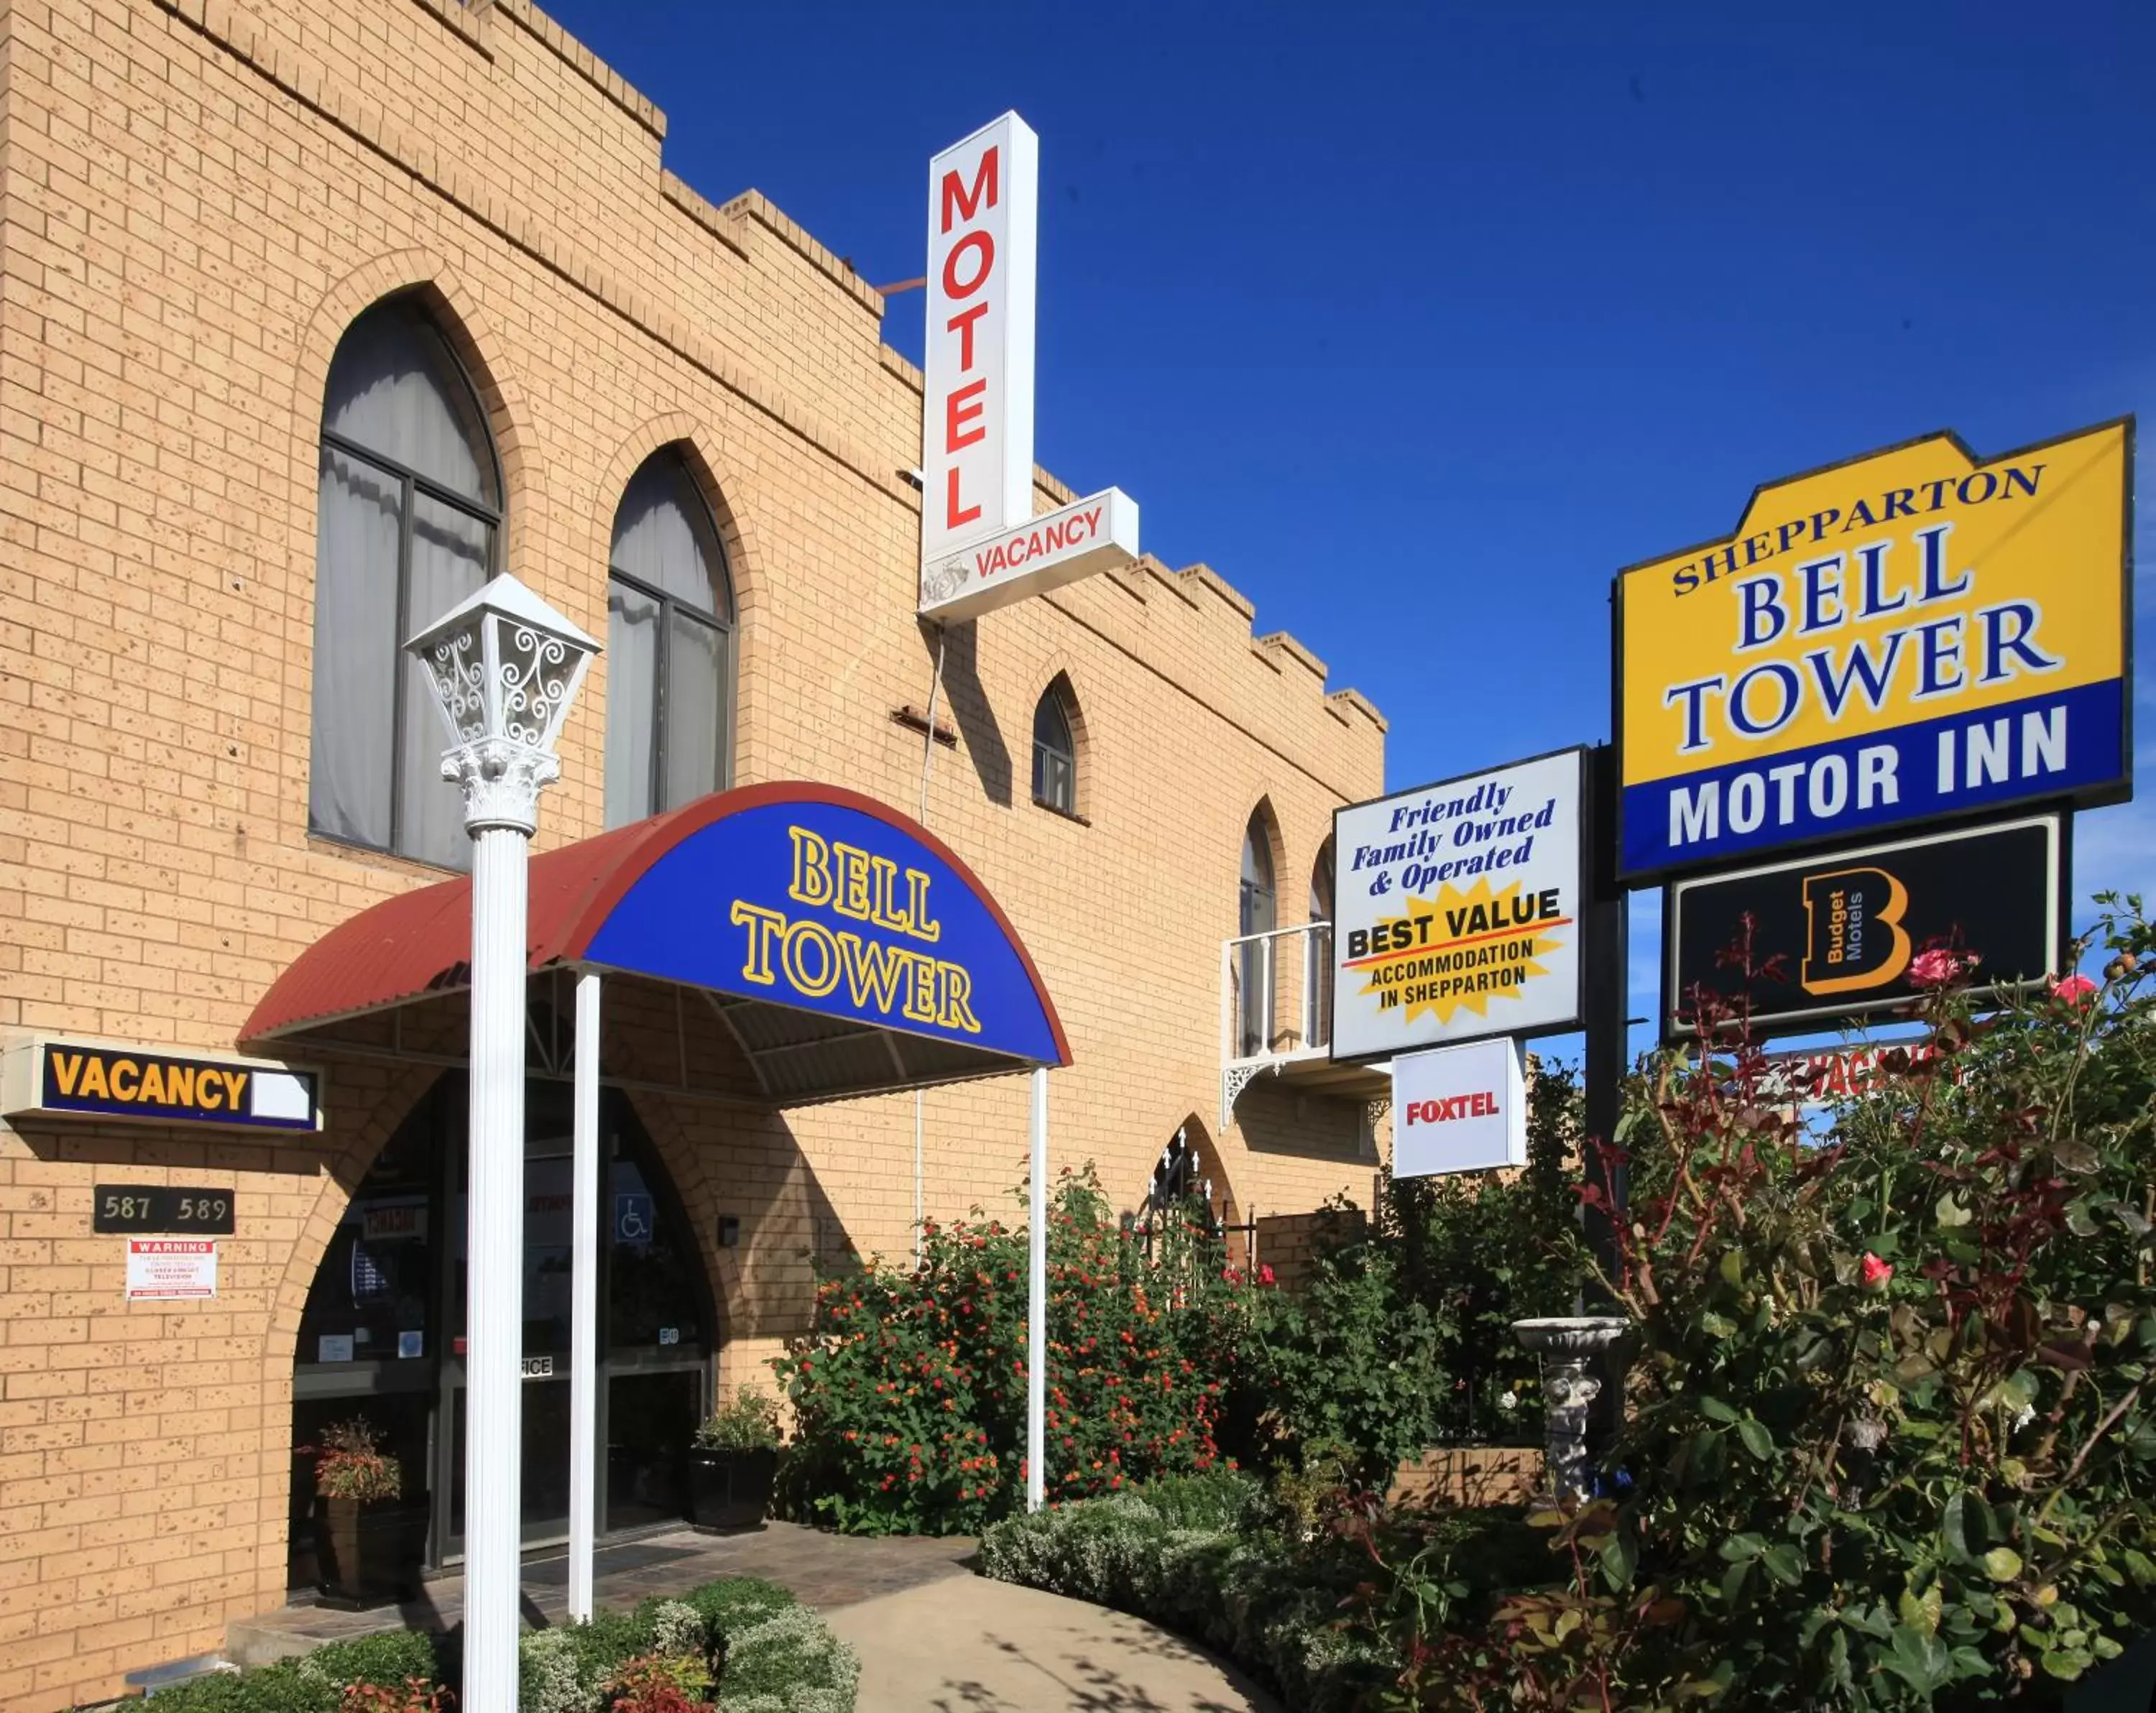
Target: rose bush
x=1889, y=1439
x=909, y=1389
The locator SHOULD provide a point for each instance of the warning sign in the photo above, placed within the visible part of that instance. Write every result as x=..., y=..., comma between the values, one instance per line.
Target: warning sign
x=171, y=1269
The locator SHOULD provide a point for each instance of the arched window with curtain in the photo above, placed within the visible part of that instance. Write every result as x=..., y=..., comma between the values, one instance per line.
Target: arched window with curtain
x=669, y=646
x=1258, y=916
x=410, y=525
x=1318, y=954
x=1055, y=749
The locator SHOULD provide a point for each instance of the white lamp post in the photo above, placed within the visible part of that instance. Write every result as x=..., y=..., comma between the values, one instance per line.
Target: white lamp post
x=504, y=667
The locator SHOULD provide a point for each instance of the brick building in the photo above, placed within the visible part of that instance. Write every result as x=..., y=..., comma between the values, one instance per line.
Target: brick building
x=310, y=315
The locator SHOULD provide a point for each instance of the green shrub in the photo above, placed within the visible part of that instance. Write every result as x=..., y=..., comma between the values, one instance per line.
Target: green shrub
x=908, y=1390
x=315, y=1682
x=749, y=1423
x=1891, y=1434
x=1199, y=1558
x=773, y=1655
x=1403, y=1338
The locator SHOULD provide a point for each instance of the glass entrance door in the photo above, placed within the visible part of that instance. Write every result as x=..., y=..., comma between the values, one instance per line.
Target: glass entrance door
x=382, y=1333
x=549, y=1240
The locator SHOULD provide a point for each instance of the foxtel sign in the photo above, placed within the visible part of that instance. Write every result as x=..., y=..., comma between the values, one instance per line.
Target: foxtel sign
x=981, y=546
x=1460, y=1108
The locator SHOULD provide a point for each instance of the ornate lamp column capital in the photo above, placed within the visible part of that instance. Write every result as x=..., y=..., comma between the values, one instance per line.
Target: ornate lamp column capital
x=501, y=780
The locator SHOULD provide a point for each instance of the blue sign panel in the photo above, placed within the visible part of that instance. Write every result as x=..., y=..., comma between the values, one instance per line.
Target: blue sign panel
x=832, y=909
x=2046, y=746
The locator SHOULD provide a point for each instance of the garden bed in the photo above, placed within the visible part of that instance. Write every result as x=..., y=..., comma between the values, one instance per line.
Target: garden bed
x=739, y=1644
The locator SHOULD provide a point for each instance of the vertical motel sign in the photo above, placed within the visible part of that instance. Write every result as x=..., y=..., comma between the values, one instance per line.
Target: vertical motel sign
x=981, y=546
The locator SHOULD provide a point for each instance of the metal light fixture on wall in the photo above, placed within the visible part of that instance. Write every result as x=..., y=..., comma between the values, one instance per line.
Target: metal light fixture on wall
x=504, y=667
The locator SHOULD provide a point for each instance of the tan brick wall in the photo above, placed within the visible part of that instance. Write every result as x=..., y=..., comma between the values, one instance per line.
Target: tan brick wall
x=196, y=198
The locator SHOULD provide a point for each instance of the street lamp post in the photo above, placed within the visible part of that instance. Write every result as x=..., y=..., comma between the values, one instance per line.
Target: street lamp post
x=504, y=667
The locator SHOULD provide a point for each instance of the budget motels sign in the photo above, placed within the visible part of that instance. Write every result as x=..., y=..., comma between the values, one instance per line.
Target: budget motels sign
x=1912, y=635
x=981, y=544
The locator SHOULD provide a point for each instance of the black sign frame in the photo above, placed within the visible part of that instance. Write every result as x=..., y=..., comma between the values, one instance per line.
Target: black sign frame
x=2055, y=821
x=191, y=1210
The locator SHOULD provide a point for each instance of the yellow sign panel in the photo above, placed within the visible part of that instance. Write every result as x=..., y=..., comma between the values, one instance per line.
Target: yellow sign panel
x=1913, y=634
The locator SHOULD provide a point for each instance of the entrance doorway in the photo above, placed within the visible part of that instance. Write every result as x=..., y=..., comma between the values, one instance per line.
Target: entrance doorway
x=382, y=1335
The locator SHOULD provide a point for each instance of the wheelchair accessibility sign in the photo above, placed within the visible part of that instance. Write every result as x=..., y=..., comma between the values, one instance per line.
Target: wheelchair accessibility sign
x=633, y=1219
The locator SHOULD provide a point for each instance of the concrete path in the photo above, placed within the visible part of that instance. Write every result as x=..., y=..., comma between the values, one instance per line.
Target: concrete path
x=824, y=1570
x=974, y=1646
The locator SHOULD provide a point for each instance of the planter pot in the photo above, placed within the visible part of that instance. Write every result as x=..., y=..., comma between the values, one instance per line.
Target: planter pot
x=368, y=1554
x=730, y=1489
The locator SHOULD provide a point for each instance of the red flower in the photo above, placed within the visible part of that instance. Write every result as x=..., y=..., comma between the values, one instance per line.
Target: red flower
x=1935, y=968
x=2073, y=990
x=1877, y=1272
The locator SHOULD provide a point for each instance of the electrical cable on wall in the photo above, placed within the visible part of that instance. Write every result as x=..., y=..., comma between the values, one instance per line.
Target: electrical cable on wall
x=927, y=764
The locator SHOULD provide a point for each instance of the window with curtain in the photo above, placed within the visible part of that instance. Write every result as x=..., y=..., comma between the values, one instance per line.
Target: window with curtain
x=1054, y=752
x=669, y=646
x=1318, y=954
x=409, y=522
x=1259, y=915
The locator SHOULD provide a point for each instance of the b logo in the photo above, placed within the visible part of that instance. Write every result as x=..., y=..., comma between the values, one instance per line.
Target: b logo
x=1854, y=938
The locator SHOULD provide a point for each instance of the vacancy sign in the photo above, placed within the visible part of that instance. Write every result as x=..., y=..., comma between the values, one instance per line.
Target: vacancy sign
x=1458, y=910
x=1099, y=533
x=981, y=546
x=1459, y=1108
x=171, y=1269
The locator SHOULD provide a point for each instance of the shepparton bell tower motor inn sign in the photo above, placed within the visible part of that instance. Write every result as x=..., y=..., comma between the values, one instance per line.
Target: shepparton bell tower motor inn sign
x=981, y=546
x=1914, y=635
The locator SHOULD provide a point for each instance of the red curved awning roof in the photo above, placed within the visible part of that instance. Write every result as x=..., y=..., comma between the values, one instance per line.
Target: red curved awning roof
x=419, y=943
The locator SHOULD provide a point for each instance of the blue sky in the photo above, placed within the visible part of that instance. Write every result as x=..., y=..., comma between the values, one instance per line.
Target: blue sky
x=1416, y=322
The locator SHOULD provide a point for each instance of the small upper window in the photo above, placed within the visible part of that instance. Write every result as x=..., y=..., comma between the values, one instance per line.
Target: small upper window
x=408, y=525
x=669, y=646
x=1055, y=753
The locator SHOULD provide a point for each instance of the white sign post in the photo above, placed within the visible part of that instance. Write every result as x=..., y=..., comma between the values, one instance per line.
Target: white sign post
x=1459, y=909
x=1459, y=1108
x=981, y=546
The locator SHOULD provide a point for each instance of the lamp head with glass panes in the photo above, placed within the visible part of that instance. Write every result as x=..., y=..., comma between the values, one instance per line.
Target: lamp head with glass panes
x=504, y=667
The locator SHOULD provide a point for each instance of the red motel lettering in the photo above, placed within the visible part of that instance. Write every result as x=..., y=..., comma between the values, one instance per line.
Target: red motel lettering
x=968, y=267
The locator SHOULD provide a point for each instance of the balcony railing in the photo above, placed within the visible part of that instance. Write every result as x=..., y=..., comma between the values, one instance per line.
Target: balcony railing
x=1276, y=995
x=1276, y=1020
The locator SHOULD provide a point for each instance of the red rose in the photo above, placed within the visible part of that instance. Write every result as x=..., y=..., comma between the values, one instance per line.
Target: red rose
x=1875, y=1272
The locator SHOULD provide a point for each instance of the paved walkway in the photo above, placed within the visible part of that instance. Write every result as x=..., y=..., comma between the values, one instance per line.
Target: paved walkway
x=985, y=1647
x=933, y=1638
x=825, y=1571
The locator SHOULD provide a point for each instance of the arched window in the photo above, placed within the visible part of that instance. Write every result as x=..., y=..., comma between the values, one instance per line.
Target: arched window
x=1259, y=915
x=410, y=525
x=1055, y=749
x=669, y=646
x=1181, y=1187
x=1318, y=954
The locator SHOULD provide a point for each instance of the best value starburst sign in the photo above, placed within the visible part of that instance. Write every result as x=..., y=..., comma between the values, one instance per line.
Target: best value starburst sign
x=1458, y=910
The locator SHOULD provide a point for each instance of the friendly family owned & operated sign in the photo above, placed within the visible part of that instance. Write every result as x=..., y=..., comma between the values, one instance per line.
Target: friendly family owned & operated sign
x=1910, y=635
x=1458, y=910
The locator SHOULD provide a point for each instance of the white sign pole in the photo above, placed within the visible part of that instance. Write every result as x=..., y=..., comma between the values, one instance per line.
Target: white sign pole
x=583, y=1302
x=1036, y=1305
